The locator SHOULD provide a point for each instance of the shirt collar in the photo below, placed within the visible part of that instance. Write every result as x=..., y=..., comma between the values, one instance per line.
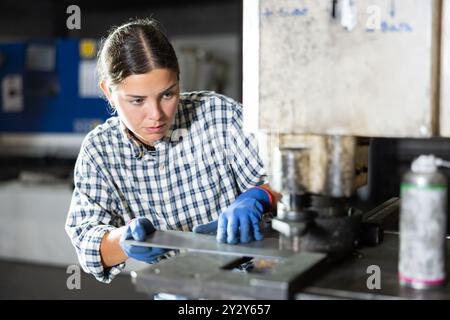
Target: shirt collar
x=137, y=147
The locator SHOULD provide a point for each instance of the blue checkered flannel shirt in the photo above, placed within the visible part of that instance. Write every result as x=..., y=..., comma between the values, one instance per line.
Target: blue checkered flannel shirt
x=192, y=174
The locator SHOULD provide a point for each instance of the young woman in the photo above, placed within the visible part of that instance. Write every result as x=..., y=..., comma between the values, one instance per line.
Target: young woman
x=167, y=161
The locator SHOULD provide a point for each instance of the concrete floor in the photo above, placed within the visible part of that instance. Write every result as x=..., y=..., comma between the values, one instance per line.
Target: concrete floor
x=31, y=281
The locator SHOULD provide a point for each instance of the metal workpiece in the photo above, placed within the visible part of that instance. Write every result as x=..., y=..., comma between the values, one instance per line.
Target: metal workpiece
x=170, y=239
x=213, y=276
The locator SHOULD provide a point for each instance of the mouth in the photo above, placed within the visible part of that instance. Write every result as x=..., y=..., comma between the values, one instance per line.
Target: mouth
x=156, y=129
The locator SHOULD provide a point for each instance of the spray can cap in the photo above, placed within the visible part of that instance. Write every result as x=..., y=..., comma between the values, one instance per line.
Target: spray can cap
x=424, y=164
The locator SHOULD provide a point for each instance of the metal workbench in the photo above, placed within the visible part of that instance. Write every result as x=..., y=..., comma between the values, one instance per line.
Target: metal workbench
x=204, y=275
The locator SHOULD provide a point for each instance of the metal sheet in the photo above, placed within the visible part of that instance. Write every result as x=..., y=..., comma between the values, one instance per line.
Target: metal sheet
x=266, y=248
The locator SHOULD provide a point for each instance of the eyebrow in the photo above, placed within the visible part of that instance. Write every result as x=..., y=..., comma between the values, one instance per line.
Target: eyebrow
x=164, y=91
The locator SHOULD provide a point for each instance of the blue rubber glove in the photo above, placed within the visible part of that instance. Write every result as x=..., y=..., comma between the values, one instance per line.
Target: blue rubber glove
x=240, y=221
x=138, y=229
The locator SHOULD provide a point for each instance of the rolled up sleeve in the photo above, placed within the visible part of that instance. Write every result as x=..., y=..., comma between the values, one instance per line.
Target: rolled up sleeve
x=90, y=216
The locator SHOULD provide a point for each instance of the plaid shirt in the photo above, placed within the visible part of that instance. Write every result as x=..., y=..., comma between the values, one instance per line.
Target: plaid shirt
x=192, y=174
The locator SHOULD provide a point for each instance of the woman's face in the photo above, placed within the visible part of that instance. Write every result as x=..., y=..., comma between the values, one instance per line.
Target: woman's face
x=146, y=103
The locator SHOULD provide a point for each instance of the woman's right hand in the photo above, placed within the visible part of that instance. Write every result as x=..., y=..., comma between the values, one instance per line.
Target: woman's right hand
x=138, y=229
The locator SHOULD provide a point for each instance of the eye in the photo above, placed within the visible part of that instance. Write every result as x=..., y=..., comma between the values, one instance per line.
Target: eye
x=168, y=95
x=137, y=101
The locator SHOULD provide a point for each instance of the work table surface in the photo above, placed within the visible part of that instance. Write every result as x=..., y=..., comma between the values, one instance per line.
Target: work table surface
x=348, y=279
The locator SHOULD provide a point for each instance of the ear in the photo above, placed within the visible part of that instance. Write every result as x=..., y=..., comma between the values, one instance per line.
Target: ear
x=106, y=91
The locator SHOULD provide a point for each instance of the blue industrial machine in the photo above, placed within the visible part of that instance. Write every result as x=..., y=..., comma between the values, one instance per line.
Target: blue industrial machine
x=49, y=91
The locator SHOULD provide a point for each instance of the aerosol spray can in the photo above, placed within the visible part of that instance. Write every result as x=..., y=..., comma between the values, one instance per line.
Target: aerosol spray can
x=423, y=220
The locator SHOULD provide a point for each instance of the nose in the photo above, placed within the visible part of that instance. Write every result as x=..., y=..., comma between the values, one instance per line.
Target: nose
x=154, y=111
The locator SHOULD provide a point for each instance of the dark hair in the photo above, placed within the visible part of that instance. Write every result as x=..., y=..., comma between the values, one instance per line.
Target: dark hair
x=136, y=47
